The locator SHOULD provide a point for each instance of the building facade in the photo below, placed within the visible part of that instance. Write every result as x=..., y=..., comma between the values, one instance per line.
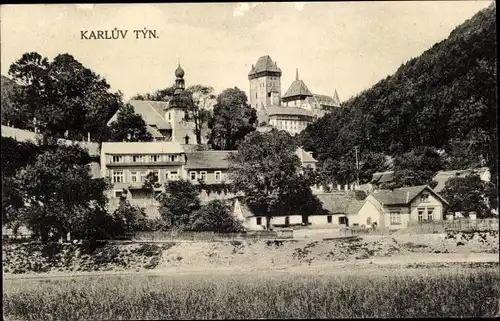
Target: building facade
x=292, y=111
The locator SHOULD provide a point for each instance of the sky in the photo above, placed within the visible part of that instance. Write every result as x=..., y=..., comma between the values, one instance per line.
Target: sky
x=343, y=46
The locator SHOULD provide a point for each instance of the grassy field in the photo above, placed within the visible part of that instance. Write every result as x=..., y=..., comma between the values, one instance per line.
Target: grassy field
x=440, y=294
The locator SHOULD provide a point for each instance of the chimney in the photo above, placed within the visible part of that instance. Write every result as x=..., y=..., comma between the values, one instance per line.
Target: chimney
x=407, y=196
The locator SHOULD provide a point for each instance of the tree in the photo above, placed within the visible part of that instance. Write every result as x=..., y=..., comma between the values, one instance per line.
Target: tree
x=63, y=96
x=232, y=120
x=128, y=218
x=270, y=176
x=159, y=95
x=417, y=167
x=216, y=216
x=178, y=203
x=128, y=127
x=197, y=108
x=58, y=193
x=466, y=194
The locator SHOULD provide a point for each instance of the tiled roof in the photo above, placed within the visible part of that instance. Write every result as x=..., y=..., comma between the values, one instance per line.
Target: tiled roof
x=151, y=111
x=340, y=203
x=23, y=135
x=403, y=195
x=443, y=176
x=208, y=159
x=153, y=131
x=304, y=156
x=264, y=63
x=142, y=148
x=295, y=111
x=298, y=87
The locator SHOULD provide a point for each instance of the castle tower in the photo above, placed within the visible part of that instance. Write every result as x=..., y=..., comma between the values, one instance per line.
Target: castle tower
x=265, y=83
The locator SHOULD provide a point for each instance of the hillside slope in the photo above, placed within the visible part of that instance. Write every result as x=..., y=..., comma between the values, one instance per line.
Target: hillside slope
x=444, y=99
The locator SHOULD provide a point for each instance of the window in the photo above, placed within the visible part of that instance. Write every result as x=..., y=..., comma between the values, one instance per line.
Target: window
x=118, y=177
x=287, y=220
x=192, y=176
x=143, y=176
x=424, y=198
x=395, y=217
x=430, y=214
x=155, y=158
x=259, y=220
x=203, y=176
x=420, y=214
x=217, y=176
x=329, y=219
x=137, y=158
x=116, y=159
x=134, y=177
x=186, y=140
x=172, y=157
x=368, y=221
x=118, y=193
x=174, y=175
x=168, y=116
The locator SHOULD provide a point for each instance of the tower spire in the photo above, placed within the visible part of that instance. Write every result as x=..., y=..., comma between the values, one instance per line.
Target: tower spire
x=296, y=73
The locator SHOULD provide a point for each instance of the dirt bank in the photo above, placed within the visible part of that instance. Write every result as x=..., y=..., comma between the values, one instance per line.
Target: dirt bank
x=252, y=255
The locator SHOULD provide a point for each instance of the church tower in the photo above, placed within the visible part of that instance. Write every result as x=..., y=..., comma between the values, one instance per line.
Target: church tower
x=265, y=83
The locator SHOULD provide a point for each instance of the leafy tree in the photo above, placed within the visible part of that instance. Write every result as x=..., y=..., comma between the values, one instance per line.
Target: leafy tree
x=128, y=127
x=465, y=194
x=128, y=218
x=178, y=203
x=58, y=193
x=216, y=216
x=197, y=107
x=63, y=96
x=417, y=167
x=232, y=120
x=11, y=115
x=159, y=95
x=270, y=176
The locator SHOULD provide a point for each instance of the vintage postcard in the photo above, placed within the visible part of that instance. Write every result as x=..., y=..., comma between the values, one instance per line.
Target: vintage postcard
x=253, y=160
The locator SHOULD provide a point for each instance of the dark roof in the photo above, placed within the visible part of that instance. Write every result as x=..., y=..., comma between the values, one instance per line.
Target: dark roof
x=443, y=176
x=295, y=111
x=340, y=203
x=264, y=63
x=208, y=159
x=403, y=195
x=297, y=88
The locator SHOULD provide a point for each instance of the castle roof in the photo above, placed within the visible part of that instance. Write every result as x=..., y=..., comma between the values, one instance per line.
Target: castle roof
x=325, y=100
x=265, y=63
x=293, y=111
x=297, y=88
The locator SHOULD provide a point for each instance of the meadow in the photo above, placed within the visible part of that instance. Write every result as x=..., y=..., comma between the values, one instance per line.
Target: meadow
x=440, y=293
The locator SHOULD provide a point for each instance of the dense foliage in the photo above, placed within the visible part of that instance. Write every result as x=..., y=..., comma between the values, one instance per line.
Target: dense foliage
x=216, y=216
x=178, y=203
x=445, y=99
x=467, y=194
x=233, y=118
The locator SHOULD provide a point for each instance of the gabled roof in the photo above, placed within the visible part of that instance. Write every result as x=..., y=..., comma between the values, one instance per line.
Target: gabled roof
x=340, y=203
x=294, y=111
x=123, y=148
x=443, y=176
x=403, y=195
x=305, y=157
x=297, y=88
x=264, y=63
x=208, y=159
x=153, y=131
x=151, y=111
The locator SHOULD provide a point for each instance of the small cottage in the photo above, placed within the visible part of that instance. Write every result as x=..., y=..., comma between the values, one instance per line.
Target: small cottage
x=399, y=207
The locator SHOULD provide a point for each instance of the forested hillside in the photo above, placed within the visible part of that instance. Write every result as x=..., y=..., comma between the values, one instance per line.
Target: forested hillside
x=443, y=100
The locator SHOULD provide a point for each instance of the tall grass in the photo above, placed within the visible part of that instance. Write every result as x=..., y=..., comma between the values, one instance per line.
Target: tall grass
x=254, y=296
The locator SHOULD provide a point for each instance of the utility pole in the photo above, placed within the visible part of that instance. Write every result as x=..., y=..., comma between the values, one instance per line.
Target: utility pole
x=356, y=149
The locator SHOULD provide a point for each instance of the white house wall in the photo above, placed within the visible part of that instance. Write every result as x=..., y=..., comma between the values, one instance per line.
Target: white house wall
x=432, y=202
x=367, y=210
